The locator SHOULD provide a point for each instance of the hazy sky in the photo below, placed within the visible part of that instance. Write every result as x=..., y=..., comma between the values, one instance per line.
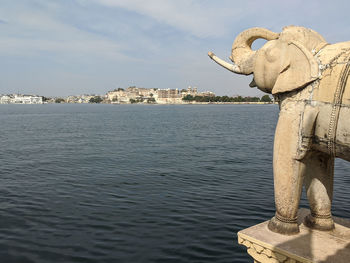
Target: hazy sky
x=63, y=47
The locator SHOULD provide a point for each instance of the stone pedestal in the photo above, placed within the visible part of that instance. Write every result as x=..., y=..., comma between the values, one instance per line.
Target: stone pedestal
x=307, y=246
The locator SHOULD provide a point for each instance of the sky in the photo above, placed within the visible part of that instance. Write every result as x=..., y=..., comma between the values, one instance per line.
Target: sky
x=71, y=47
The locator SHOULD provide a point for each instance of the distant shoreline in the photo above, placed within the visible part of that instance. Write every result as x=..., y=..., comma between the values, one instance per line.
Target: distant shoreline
x=160, y=104
x=230, y=103
x=199, y=103
x=134, y=95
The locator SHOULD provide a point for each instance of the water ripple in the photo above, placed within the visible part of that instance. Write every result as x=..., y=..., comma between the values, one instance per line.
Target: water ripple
x=106, y=183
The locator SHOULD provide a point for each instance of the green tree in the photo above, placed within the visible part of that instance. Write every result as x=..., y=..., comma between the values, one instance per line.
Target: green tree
x=140, y=98
x=252, y=99
x=225, y=99
x=239, y=99
x=202, y=99
x=151, y=100
x=132, y=101
x=217, y=99
x=59, y=100
x=96, y=99
x=188, y=98
x=119, y=89
x=265, y=98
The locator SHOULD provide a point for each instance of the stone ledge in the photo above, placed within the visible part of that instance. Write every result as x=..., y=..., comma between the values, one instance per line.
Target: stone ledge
x=306, y=247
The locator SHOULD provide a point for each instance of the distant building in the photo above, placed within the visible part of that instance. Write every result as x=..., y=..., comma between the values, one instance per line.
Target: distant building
x=161, y=96
x=132, y=93
x=194, y=92
x=5, y=99
x=79, y=98
x=206, y=94
x=171, y=96
x=20, y=99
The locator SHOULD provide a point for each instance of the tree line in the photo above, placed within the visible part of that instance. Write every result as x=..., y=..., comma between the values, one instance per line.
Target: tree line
x=265, y=98
x=188, y=98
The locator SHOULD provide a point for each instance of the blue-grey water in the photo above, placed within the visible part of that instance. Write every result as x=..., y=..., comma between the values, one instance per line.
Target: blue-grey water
x=137, y=183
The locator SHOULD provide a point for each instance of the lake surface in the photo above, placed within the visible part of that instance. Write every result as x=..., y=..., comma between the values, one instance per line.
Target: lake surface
x=137, y=183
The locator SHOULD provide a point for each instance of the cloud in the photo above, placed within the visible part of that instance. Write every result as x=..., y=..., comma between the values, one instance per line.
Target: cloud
x=29, y=32
x=20, y=47
x=199, y=18
x=97, y=44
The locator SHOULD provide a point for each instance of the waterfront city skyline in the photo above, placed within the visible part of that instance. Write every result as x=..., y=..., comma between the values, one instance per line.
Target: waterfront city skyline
x=90, y=46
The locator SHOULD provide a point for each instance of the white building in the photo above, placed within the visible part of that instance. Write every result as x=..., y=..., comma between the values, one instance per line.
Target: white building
x=5, y=99
x=20, y=99
x=27, y=99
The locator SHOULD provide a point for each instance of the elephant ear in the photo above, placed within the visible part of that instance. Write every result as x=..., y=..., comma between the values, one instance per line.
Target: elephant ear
x=300, y=68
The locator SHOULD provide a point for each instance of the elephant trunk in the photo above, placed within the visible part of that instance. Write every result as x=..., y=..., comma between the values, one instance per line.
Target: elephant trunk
x=242, y=54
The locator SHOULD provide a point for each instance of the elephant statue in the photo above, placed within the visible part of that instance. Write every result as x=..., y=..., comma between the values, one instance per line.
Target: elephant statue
x=309, y=79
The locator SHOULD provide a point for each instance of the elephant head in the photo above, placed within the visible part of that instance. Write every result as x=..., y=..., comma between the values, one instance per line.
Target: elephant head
x=286, y=61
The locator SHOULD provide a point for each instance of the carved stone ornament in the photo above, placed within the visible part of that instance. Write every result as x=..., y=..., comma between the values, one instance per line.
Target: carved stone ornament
x=262, y=254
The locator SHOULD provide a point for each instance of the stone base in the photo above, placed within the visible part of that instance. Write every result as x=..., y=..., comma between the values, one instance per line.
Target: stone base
x=308, y=246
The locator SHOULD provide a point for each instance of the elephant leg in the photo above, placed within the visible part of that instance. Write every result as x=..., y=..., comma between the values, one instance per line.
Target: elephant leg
x=288, y=173
x=319, y=188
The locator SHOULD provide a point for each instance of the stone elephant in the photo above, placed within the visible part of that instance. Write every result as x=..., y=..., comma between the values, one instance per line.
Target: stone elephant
x=309, y=79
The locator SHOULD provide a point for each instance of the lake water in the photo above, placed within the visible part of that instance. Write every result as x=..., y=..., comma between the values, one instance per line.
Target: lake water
x=137, y=183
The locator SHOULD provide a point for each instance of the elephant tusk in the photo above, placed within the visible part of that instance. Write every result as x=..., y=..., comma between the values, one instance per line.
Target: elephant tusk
x=231, y=67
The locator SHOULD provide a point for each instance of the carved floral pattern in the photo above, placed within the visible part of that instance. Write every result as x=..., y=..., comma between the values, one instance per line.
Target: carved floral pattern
x=262, y=254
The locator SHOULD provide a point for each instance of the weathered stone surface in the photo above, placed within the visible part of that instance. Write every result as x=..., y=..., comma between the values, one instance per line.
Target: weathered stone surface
x=309, y=78
x=307, y=246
